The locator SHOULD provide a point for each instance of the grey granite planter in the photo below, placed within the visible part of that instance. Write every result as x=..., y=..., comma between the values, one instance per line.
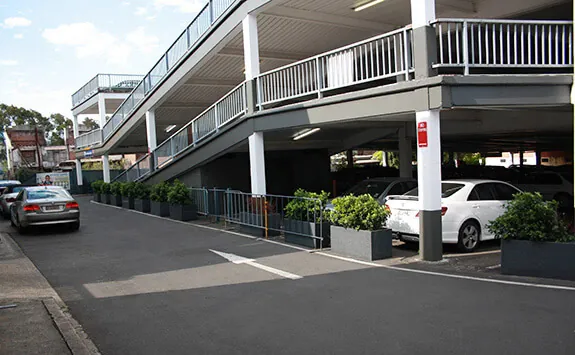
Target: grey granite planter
x=142, y=205
x=301, y=232
x=161, y=209
x=365, y=245
x=183, y=212
x=108, y=199
x=538, y=259
x=254, y=224
x=116, y=200
x=97, y=197
x=128, y=202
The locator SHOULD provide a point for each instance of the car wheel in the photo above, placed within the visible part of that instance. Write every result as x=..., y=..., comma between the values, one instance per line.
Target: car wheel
x=469, y=236
x=12, y=221
x=75, y=226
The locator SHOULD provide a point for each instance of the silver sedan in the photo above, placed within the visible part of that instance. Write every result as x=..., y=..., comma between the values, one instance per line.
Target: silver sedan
x=44, y=205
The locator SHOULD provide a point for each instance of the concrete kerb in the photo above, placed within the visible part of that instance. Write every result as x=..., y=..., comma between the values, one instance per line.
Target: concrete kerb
x=360, y=262
x=71, y=331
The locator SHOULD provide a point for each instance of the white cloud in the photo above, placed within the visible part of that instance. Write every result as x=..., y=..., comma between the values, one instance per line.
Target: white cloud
x=141, y=11
x=8, y=62
x=144, y=43
x=12, y=22
x=187, y=6
x=18, y=36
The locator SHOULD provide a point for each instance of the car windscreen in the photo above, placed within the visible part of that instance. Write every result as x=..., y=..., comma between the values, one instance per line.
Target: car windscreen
x=447, y=189
x=373, y=188
x=47, y=194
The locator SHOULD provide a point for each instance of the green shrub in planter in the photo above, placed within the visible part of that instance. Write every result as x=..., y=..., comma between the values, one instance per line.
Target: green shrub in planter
x=181, y=205
x=358, y=228
x=304, y=219
x=141, y=197
x=97, y=188
x=116, y=192
x=159, y=197
x=128, y=194
x=105, y=188
x=535, y=242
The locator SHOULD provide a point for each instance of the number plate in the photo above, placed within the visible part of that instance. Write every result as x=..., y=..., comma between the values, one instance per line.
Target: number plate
x=52, y=208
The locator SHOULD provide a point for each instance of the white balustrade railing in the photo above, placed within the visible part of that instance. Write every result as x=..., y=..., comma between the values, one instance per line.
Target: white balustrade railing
x=89, y=139
x=380, y=57
x=105, y=82
x=470, y=43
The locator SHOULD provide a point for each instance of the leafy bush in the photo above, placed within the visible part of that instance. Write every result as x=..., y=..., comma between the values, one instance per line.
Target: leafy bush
x=529, y=217
x=116, y=188
x=105, y=188
x=358, y=212
x=127, y=189
x=141, y=191
x=97, y=186
x=159, y=192
x=308, y=206
x=179, y=194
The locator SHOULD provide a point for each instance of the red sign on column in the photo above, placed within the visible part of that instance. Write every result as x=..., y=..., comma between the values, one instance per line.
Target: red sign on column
x=422, y=134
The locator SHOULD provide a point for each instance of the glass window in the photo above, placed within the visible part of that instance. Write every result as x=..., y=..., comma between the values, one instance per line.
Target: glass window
x=410, y=185
x=546, y=179
x=504, y=192
x=47, y=194
x=396, y=189
x=373, y=188
x=447, y=189
x=482, y=192
x=20, y=196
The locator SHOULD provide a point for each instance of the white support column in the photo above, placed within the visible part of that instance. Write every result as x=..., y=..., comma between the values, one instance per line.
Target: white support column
x=405, y=154
x=422, y=12
x=102, y=109
x=429, y=183
x=76, y=126
x=106, y=168
x=79, y=177
x=424, y=37
x=251, y=46
x=151, y=130
x=257, y=163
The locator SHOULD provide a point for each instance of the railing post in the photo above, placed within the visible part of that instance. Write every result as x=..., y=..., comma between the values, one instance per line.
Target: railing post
x=216, y=112
x=465, y=48
x=258, y=93
x=407, y=51
x=211, y=7
x=167, y=62
x=188, y=37
x=319, y=78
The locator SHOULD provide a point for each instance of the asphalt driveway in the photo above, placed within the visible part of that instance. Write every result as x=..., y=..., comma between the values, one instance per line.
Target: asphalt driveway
x=142, y=285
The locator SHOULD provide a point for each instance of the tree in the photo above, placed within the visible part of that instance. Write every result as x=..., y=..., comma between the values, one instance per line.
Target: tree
x=90, y=123
x=61, y=124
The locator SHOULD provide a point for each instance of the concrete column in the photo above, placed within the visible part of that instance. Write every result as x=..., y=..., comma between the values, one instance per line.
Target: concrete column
x=385, y=161
x=151, y=130
x=429, y=182
x=405, y=154
x=521, y=158
x=106, y=168
x=102, y=110
x=79, y=177
x=76, y=126
x=538, y=158
x=424, y=39
x=251, y=59
x=349, y=158
x=257, y=163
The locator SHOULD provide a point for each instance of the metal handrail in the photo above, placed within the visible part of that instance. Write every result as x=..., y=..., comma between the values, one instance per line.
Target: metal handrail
x=97, y=84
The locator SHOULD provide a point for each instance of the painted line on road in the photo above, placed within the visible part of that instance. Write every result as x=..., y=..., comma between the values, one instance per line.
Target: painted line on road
x=236, y=259
x=472, y=254
x=415, y=271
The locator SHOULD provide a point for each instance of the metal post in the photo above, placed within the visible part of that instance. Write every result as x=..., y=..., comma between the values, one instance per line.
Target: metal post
x=319, y=78
x=465, y=49
x=266, y=216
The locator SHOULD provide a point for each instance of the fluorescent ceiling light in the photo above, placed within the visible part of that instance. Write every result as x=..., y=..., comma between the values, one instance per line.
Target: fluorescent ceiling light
x=170, y=128
x=368, y=4
x=304, y=134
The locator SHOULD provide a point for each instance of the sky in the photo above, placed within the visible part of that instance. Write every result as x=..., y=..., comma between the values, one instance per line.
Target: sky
x=51, y=48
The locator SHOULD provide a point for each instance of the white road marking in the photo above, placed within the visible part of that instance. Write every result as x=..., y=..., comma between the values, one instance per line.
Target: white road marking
x=236, y=259
x=493, y=267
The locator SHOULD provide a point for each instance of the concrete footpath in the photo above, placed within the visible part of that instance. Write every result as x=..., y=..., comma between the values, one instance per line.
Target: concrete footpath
x=33, y=318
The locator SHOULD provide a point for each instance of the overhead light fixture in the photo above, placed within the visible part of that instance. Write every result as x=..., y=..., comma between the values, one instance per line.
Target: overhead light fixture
x=170, y=128
x=304, y=134
x=368, y=4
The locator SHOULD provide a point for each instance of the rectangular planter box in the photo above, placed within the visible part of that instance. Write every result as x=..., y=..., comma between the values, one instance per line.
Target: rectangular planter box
x=108, y=199
x=183, y=212
x=97, y=198
x=128, y=202
x=161, y=209
x=538, y=259
x=116, y=200
x=142, y=205
x=254, y=224
x=300, y=232
x=365, y=245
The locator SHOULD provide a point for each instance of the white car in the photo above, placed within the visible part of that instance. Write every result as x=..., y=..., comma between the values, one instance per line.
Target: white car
x=467, y=208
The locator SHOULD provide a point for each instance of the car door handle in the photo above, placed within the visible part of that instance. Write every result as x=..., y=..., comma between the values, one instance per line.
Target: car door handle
x=475, y=206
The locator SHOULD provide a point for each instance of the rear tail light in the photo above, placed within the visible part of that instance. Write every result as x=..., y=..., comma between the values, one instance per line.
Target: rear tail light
x=31, y=208
x=443, y=212
x=387, y=209
x=11, y=199
x=72, y=205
